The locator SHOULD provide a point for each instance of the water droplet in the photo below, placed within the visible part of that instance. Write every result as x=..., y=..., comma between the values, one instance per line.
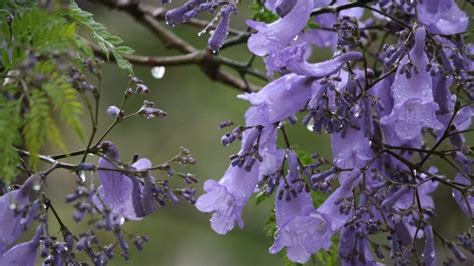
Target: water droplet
x=158, y=72
x=82, y=176
x=309, y=126
x=36, y=187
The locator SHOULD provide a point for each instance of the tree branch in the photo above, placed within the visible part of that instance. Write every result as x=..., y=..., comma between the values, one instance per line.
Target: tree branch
x=208, y=62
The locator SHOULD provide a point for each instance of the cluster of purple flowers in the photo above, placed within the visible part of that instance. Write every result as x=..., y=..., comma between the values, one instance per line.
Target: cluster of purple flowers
x=380, y=109
x=379, y=180
x=192, y=8
x=126, y=193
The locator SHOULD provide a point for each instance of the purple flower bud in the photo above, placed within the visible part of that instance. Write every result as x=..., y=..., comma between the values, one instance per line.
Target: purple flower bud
x=69, y=241
x=224, y=124
x=457, y=252
x=172, y=197
x=138, y=241
x=176, y=16
x=122, y=243
x=114, y=111
x=151, y=112
x=218, y=36
x=284, y=7
x=142, y=88
x=86, y=167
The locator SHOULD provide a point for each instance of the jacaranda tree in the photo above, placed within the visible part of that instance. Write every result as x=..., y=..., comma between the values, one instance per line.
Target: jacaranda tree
x=396, y=95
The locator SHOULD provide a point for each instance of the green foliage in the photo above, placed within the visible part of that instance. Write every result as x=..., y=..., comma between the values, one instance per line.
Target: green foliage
x=304, y=156
x=39, y=125
x=270, y=225
x=261, y=13
x=107, y=42
x=261, y=197
x=62, y=96
x=40, y=47
x=328, y=257
x=312, y=24
x=10, y=123
x=288, y=262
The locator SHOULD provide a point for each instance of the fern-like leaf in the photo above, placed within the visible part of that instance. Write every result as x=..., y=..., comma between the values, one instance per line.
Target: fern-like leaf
x=39, y=125
x=108, y=43
x=65, y=102
x=10, y=123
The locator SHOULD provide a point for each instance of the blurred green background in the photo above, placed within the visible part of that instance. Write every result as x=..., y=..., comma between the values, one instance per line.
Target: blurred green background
x=180, y=235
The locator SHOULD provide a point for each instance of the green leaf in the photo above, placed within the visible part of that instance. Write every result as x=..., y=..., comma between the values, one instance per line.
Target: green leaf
x=288, y=262
x=39, y=125
x=65, y=102
x=312, y=25
x=261, y=197
x=304, y=156
x=62, y=95
x=328, y=257
x=125, y=50
x=261, y=13
x=107, y=42
x=10, y=123
x=270, y=225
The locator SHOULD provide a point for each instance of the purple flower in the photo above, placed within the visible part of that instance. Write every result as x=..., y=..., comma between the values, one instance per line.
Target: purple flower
x=303, y=230
x=294, y=60
x=280, y=7
x=145, y=197
x=465, y=203
x=123, y=194
x=446, y=102
x=402, y=199
x=303, y=235
x=226, y=198
x=218, y=36
x=442, y=16
x=429, y=252
x=10, y=226
x=414, y=106
x=351, y=149
x=278, y=100
x=182, y=13
x=406, y=200
x=114, y=111
x=272, y=156
x=330, y=209
x=279, y=34
x=351, y=243
x=324, y=37
x=23, y=254
x=300, y=229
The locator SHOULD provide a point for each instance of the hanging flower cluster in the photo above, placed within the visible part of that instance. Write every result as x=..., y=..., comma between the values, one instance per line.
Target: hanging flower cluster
x=127, y=191
x=379, y=180
x=389, y=112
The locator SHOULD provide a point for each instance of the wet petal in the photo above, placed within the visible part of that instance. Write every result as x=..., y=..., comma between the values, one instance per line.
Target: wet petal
x=442, y=16
x=23, y=254
x=280, y=33
x=10, y=227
